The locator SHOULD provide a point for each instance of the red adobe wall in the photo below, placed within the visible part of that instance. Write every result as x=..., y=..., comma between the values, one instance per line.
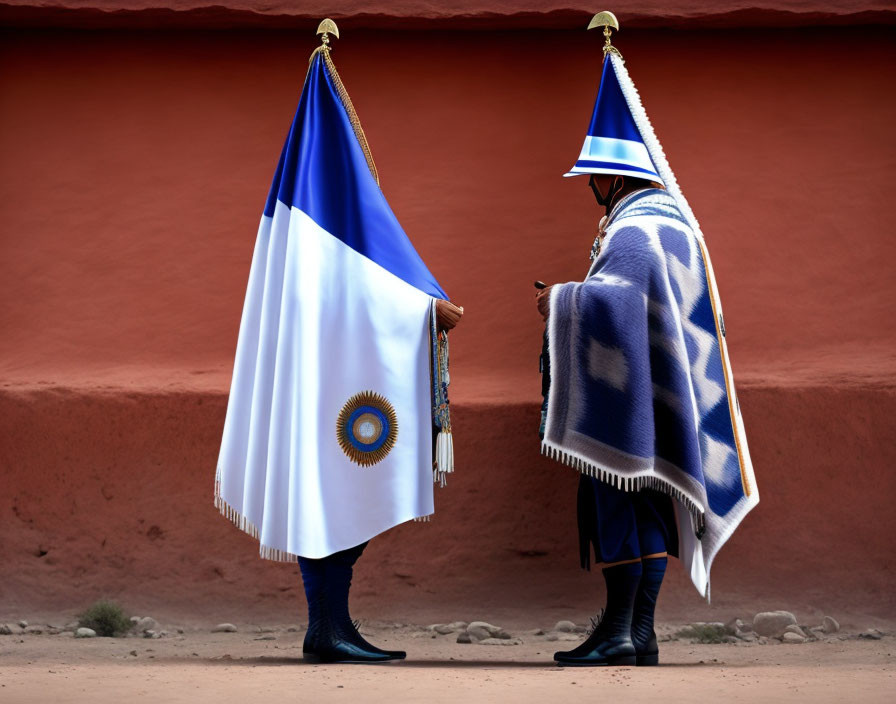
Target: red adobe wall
x=134, y=168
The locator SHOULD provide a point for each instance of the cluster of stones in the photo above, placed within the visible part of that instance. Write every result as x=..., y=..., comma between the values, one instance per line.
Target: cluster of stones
x=474, y=632
x=20, y=628
x=770, y=626
x=141, y=626
x=483, y=633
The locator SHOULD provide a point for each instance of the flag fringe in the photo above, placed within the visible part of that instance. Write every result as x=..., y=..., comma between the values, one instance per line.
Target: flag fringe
x=353, y=118
x=651, y=141
x=244, y=524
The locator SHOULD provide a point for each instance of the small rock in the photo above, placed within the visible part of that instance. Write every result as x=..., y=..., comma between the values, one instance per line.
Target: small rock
x=267, y=637
x=85, y=633
x=23, y=624
x=871, y=634
x=134, y=653
x=147, y=623
x=442, y=628
x=135, y=619
x=224, y=628
x=458, y=625
x=747, y=637
x=266, y=629
x=8, y=629
x=791, y=637
x=793, y=628
x=292, y=629
x=34, y=630
x=830, y=625
x=565, y=627
x=501, y=641
x=538, y=632
x=180, y=630
x=772, y=623
x=734, y=627
x=464, y=637
x=480, y=630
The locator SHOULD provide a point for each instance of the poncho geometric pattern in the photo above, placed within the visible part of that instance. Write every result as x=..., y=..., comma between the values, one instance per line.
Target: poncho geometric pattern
x=641, y=387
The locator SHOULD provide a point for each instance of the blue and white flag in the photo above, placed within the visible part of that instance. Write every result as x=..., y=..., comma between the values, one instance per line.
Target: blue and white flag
x=328, y=435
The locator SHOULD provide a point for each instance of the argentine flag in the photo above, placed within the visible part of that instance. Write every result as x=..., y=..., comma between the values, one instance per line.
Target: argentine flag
x=328, y=435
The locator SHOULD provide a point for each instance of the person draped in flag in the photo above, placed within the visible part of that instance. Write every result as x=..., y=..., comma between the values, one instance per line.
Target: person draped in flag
x=337, y=422
x=639, y=395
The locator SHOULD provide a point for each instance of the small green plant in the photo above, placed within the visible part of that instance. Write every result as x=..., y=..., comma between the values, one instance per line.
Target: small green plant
x=703, y=633
x=106, y=618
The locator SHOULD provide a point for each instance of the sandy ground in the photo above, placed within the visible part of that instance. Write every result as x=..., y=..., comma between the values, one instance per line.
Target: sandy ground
x=257, y=664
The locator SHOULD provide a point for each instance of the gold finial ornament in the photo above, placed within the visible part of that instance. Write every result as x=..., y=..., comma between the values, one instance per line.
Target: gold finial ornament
x=325, y=29
x=608, y=21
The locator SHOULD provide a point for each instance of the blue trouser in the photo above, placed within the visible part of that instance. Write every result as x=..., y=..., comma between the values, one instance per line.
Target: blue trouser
x=327, y=582
x=623, y=525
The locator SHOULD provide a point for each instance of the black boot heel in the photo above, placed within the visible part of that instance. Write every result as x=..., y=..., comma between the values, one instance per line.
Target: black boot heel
x=648, y=660
x=623, y=661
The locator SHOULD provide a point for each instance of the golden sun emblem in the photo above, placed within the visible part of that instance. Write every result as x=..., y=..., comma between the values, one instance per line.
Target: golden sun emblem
x=367, y=428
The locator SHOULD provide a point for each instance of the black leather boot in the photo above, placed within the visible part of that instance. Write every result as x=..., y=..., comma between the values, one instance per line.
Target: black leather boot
x=610, y=643
x=330, y=639
x=643, y=634
x=331, y=635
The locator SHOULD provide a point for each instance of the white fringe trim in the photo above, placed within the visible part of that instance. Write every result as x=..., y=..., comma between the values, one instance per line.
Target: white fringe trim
x=619, y=480
x=245, y=525
x=443, y=464
x=654, y=148
x=266, y=552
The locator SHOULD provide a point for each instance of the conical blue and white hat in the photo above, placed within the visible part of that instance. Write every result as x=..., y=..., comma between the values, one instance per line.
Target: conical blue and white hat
x=614, y=144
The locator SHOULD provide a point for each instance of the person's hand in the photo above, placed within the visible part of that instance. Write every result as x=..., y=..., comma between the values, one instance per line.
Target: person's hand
x=543, y=301
x=447, y=315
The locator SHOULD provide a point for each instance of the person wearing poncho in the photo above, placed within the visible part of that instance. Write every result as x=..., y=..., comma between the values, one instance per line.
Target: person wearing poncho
x=340, y=375
x=639, y=395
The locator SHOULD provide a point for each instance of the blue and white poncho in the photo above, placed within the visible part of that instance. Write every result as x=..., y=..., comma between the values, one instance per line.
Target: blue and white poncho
x=642, y=393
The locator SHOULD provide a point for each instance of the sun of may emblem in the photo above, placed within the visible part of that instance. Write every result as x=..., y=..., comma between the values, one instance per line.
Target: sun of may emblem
x=367, y=428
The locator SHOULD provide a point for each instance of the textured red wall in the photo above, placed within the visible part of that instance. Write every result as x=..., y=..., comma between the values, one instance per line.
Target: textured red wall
x=134, y=168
